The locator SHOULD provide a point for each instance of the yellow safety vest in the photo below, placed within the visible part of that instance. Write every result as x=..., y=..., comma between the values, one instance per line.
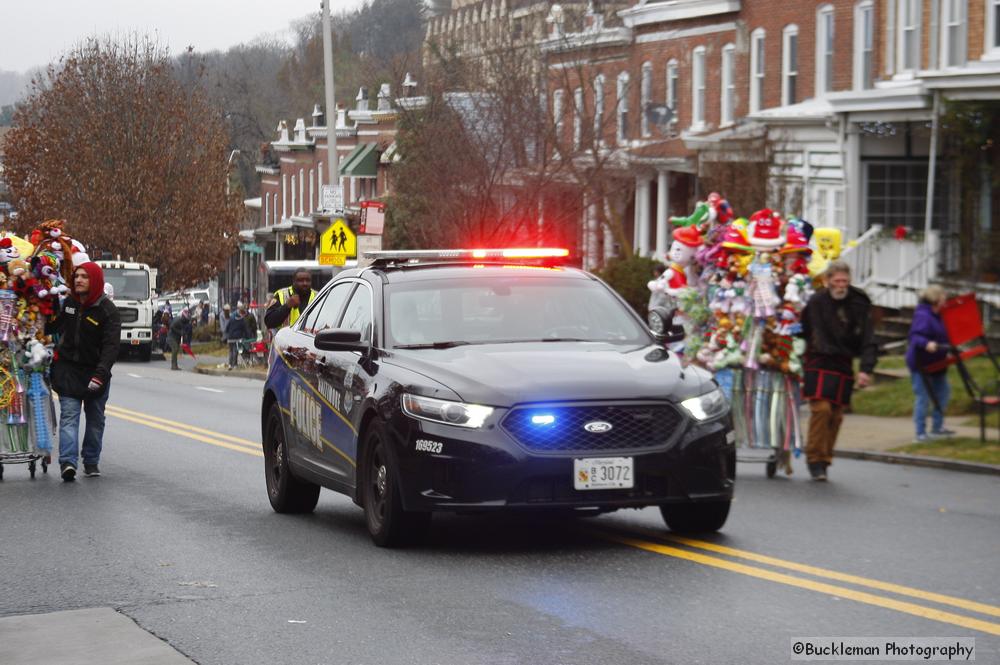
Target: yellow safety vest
x=293, y=315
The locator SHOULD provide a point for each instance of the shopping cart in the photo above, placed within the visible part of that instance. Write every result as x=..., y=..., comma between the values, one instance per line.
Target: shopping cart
x=765, y=409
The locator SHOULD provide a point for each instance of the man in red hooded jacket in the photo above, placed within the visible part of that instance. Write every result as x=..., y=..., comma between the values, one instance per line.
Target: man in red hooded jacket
x=89, y=329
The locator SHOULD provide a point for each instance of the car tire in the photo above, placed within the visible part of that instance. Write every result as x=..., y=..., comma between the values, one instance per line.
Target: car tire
x=388, y=524
x=287, y=493
x=696, y=517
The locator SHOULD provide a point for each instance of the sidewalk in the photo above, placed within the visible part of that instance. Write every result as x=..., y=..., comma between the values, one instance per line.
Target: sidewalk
x=216, y=365
x=873, y=437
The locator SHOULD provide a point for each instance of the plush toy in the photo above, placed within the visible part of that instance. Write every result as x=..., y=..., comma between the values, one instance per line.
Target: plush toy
x=45, y=267
x=37, y=355
x=828, y=243
x=49, y=236
x=681, y=257
x=699, y=215
x=720, y=212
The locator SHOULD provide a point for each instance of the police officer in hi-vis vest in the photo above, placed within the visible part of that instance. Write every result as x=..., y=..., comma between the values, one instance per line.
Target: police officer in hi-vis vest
x=289, y=303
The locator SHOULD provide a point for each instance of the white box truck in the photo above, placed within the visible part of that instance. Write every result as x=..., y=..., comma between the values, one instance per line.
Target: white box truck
x=135, y=287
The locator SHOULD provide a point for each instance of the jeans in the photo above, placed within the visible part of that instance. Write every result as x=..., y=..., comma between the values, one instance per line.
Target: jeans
x=234, y=352
x=941, y=389
x=69, y=427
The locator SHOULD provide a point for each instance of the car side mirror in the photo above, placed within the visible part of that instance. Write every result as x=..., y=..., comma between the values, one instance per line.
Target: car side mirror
x=661, y=323
x=340, y=339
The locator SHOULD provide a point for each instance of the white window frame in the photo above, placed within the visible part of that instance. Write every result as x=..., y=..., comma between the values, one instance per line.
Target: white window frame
x=699, y=58
x=961, y=24
x=864, y=41
x=558, y=99
x=826, y=206
x=904, y=7
x=673, y=89
x=824, y=50
x=758, y=62
x=599, y=110
x=645, y=97
x=991, y=45
x=577, y=117
x=267, y=209
x=727, y=97
x=621, y=109
x=787, y=69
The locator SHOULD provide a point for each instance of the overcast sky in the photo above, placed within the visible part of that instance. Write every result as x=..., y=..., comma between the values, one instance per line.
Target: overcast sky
x=37, y=32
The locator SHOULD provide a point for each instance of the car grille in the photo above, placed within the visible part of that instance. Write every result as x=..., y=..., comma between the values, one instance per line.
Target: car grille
x=634, y=427
x=128, y=314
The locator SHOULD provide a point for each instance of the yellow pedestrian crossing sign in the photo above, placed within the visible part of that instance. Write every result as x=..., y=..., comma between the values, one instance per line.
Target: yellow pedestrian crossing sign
x=337, y=244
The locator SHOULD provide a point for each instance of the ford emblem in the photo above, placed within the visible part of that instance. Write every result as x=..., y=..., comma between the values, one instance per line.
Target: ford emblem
x=598, y=427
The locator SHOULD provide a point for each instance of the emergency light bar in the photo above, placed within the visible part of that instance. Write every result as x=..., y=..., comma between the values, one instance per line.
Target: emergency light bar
x=416, y=255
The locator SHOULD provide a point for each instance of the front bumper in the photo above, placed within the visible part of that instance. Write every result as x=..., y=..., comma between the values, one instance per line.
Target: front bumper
x=487, y=470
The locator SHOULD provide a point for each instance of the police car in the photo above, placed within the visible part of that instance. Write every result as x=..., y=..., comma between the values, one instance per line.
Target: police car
x=476, y=380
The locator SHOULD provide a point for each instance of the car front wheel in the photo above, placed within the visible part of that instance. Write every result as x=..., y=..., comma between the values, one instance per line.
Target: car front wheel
x=287, y=493
x=388, y=524
x=696, y=517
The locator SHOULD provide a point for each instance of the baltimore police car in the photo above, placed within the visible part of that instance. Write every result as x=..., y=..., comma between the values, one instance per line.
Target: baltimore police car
x=474, y=380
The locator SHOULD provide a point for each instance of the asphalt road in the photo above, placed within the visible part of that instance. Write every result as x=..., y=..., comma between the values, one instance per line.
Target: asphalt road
x=178, y=535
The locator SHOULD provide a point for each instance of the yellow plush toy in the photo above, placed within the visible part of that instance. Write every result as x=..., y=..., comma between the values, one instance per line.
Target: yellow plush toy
x=828, y=245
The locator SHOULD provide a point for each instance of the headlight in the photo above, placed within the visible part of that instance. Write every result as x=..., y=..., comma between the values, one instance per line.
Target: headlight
x=705, y=407
x=442, y=411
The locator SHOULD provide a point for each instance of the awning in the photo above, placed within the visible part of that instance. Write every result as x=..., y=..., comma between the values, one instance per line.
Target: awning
x=361, y=162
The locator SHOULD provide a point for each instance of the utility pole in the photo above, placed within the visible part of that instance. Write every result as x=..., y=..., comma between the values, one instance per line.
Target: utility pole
x=331, y=110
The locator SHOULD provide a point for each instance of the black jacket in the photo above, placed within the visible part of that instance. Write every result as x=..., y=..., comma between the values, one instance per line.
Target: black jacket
x=237, y=329
x=180, y=328
x=88, y=337
x=830, y=341
x=277, y=315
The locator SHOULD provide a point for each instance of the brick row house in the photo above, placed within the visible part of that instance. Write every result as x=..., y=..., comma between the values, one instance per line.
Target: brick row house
x=281, y=231
x=829, y=107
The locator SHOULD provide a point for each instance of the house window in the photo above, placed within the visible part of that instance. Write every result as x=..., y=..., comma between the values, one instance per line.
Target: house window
x=993, y=21
x=824, y=50
x=267, y=208
x=557, y=113
x=864, y=45
x=953, y=33
x=698, y=88
x=757, y=70
x=598, y=110
x=909, y=35
x=646, y=96
x=896, y=195
x=789, y=64
x=673, y=83
x=728, y=97
x=827, y=206
x=622, y=125
x=577, y=118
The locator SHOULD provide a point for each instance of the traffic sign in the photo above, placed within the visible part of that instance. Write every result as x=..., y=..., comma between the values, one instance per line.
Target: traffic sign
x=337, y=244
x=332, y=198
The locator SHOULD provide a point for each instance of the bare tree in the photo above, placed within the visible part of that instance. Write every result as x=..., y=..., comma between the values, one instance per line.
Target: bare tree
x=132, y=158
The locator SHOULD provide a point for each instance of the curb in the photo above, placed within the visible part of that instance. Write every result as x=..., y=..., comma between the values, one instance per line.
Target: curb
x=920, y=460
x=242, y=373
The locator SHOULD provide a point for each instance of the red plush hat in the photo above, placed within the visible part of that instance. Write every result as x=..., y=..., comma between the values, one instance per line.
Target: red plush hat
x=765, y=229
x=735, y=237
x=797, y=242
x=688, y=235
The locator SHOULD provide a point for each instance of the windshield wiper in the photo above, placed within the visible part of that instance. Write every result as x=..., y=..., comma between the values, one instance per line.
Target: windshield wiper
x=432, y=345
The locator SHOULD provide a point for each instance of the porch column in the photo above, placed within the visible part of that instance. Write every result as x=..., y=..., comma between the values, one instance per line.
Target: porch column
x=662, y=210
x=609, y=236
x=284, y=196
x=642, y=215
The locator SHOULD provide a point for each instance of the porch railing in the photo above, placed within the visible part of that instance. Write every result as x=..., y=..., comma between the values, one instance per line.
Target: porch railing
x=904, y=290
x=861, y=256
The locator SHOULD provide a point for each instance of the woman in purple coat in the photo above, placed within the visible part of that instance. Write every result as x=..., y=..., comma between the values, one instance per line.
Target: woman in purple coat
x=928, y=343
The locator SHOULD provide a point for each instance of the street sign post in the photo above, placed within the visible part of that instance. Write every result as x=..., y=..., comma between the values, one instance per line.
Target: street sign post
x=337, y=244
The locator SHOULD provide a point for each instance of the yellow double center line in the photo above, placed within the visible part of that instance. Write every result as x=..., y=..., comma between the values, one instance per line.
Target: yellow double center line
x=188, y=431
x=866, y=597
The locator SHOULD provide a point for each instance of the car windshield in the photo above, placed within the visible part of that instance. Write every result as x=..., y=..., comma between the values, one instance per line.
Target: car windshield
x=479, y=310
x=128, y=284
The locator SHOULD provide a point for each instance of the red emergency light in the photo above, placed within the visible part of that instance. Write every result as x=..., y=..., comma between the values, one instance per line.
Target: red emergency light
x=513, y=253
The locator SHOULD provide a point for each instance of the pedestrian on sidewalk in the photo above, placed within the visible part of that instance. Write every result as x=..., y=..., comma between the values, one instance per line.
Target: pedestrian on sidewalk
x=838, y=327
x=236, y=333
x=928, y=344
x=90, y=329
x=224, y=318
x=180, y=329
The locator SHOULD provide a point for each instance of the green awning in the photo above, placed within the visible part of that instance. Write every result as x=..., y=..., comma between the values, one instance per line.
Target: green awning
x=361, y=162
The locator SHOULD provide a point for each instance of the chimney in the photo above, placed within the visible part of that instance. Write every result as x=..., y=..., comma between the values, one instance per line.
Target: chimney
x=282, y=132
x=300, y=131
x=317, y=116
x=385, y=97
x=362, y=99
x=555, y=20
x=341, y=119
x=593, y=21
x=409, y=85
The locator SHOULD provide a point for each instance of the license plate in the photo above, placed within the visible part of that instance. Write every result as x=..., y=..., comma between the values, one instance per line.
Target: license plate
x=135, y=342
x=603, y=473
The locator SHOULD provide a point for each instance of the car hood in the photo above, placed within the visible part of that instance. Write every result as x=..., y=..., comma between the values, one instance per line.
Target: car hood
x=509, y=374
